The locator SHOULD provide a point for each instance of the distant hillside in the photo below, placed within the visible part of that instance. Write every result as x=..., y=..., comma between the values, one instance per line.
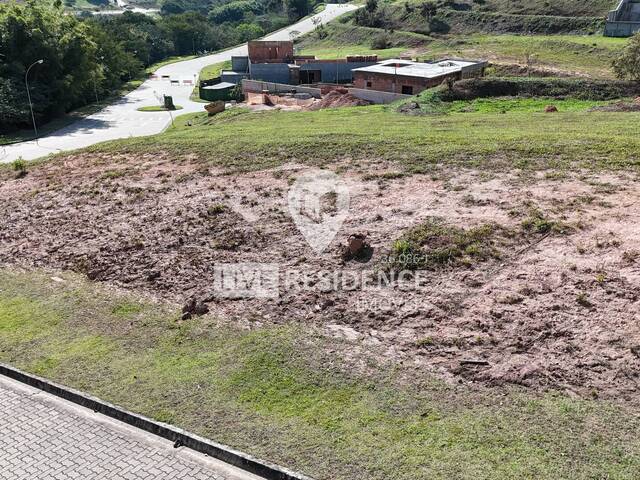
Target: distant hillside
x=564, y=8
x=487, y=16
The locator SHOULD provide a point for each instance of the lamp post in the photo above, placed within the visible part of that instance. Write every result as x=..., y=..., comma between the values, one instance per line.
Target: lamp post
x=26, y=81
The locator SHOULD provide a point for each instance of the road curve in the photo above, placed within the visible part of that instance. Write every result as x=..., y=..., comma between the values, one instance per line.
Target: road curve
x=122, y=120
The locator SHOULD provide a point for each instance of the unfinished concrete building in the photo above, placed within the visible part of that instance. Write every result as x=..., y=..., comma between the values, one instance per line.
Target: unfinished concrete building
x=624, y=21
x=276, y=62
x=409, y=78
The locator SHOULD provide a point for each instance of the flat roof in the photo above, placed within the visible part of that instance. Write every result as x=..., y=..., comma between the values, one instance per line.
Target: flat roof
x=408, y=68
x=219, y=86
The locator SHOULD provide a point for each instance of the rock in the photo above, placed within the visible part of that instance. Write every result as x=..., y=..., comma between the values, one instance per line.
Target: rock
x=356, y=243
x=214, y=107
x=194, y=307
x=357, y=247
x=550, y=109
x=409, y=107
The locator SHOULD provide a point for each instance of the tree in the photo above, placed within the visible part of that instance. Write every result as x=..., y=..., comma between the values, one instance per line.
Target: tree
x=428, y=10
x=627, y=64
x=249, y=31
x=297, y=8
x=34, y=31
x=371, y=6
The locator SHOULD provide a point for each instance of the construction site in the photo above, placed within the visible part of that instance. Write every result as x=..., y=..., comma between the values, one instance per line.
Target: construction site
x=273, y=75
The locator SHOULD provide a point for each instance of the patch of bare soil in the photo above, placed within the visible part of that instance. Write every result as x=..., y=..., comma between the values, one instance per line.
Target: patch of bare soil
x=620, y=106
x=519, y=70
x=520, y=280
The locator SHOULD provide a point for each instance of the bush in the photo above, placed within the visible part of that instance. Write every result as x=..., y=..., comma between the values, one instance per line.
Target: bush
x=508, y=23
x=583, y=89
x=627, y=64
x=20, y=167
x=380, y=42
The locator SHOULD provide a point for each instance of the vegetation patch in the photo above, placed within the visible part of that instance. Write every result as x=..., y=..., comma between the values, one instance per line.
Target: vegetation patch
x=435, y=244
x=339, y=40
x=158, y=108
x=580, y=88
x=592, y=140
x=470, y=21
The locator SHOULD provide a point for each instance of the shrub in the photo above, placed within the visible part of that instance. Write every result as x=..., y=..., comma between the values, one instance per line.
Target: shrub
x=434, y=244
x=583, y=89
x=380, y=42
x=19, y=165
x=627, y=64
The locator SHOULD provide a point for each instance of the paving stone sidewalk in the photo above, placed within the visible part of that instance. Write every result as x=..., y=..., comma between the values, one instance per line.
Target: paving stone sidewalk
x=43, y=437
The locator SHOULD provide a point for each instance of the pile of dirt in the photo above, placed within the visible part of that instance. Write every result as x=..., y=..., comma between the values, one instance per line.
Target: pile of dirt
x=620, y=106
x=510, y=295
x=339, y=97
x=518, y=70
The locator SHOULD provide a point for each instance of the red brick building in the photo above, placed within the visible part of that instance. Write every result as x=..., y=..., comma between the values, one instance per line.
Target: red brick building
x=270, y=52
x=410, y=78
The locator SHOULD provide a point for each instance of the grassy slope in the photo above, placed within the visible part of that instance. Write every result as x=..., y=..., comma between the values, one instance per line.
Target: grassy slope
x=587, y=8
x=213, y=71
x=491, y=141
x=277, y=393
x=589, y=55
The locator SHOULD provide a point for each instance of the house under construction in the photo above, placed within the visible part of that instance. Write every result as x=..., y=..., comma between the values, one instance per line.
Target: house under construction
x=624, y=21
x=276, y=62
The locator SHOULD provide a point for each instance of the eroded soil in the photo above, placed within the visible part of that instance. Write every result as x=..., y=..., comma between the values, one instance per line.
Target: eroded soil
x=557, y=306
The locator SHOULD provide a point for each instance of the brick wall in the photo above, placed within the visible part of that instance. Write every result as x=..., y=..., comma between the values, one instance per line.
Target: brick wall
x=384, y=82
x=270, y=52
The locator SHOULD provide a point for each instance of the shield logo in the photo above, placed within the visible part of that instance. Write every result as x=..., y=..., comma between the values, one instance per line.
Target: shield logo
x=319, y=204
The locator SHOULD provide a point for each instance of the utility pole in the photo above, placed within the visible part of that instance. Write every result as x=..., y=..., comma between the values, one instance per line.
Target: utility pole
x=26, y=81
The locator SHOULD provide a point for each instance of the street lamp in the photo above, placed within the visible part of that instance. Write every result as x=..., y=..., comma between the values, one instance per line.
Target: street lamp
x=26, y=81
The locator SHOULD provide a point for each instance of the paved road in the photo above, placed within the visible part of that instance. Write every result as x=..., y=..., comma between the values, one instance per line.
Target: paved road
x=43, y=437
x=122, y=120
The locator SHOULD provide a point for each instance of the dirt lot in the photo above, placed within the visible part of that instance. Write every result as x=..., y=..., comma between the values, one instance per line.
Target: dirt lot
x=551, y=300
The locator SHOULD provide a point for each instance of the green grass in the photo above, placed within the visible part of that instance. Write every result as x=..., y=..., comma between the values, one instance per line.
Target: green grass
x=213, y=71
x=513, y=104
x=277, y=392
x=590, y=8
x=158, y=108
x=168, y=61
x=578, y=8
x=327, y=50
x=583, y=54
x=590, y=55
x=491, y=141
x=343, y=40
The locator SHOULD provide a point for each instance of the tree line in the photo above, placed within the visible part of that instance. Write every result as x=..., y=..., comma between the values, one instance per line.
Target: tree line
x=90, y=57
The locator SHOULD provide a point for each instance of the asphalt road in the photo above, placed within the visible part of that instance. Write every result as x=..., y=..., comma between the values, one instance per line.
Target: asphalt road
x=122, y=120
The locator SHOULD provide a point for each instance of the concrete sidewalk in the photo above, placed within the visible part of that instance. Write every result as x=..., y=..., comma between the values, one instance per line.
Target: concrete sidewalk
x=46, y=438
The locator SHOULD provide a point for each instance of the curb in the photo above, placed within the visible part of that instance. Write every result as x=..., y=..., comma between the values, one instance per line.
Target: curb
x=180, y=437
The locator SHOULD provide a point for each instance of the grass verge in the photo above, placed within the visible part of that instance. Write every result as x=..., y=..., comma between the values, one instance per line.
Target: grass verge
x=287, y=394
x=158, y=108
x=491, y=141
